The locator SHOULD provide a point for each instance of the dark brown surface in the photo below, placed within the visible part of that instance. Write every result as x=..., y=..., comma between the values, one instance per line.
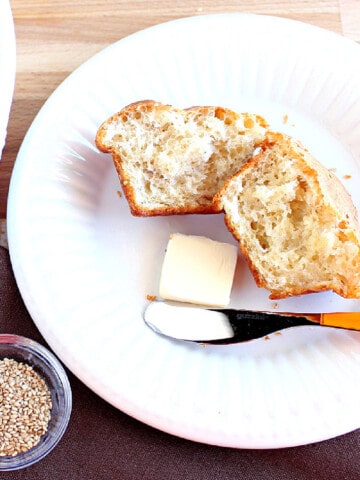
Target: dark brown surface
x=104, y=443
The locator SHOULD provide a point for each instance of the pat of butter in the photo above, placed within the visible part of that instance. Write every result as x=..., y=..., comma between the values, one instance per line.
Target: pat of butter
x=198, y=270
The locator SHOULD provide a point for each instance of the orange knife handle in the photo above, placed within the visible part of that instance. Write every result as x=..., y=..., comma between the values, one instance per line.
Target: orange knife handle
x=349, y=320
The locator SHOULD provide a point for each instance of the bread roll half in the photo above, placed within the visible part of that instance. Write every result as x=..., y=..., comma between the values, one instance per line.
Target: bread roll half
x=172, y=161
x=295, y=222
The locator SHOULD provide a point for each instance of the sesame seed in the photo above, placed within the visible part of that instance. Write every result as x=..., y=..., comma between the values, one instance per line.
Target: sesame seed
x=25, y=407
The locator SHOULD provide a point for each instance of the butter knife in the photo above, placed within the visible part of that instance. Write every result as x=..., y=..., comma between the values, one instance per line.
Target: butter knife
x=225, y=326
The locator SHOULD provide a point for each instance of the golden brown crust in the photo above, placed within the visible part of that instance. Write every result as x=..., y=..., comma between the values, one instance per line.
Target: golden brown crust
x=197, y=203
x=329, y=196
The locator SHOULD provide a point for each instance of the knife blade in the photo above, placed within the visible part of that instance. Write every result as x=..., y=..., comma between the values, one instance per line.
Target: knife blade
x=225, y=326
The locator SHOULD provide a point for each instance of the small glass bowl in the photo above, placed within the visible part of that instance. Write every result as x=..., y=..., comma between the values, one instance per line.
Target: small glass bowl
x=49, y=368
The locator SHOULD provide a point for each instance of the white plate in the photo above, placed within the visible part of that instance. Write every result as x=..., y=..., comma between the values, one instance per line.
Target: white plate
x=7, y=67
x=84, y=265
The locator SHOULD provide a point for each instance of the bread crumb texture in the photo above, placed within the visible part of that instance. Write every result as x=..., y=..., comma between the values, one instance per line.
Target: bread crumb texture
x=295, y=222
x=171, y=160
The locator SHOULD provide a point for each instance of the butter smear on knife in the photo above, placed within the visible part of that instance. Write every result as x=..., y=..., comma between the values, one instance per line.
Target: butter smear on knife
x=198, y=270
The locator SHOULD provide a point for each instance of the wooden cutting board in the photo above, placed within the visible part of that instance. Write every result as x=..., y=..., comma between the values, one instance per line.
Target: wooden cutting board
x=55, y=37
